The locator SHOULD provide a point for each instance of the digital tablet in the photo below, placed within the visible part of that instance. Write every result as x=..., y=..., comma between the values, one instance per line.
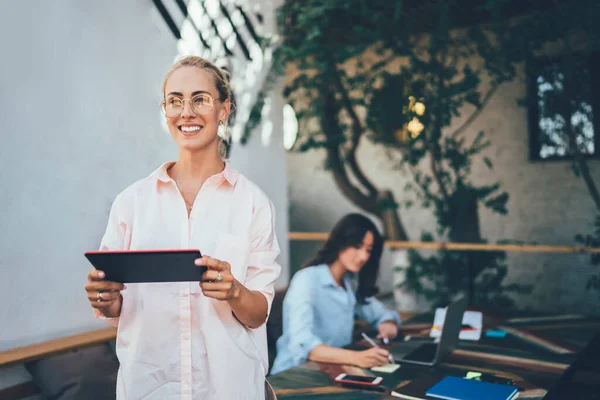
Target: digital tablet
x=136, y=266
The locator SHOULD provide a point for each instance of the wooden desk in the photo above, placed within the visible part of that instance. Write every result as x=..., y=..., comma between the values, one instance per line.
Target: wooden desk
x=535, y=353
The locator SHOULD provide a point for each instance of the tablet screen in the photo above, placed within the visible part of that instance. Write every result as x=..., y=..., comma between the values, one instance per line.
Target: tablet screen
x=138, y=266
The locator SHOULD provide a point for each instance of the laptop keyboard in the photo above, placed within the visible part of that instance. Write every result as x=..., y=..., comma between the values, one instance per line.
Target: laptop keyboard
x=425, y=352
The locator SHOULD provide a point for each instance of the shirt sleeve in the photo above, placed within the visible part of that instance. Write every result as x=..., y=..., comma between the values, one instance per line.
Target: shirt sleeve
x=263, y=269
x=300, y=314
x=115, y=238
x=374, y=312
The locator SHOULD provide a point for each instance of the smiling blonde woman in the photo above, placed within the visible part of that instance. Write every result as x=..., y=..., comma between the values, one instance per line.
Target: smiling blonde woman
x=193, y=340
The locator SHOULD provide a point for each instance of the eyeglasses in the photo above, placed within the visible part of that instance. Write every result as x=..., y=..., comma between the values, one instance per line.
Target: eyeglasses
x=201, y=104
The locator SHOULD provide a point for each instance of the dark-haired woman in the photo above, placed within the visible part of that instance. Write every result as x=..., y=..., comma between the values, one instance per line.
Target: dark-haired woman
x=324, y=298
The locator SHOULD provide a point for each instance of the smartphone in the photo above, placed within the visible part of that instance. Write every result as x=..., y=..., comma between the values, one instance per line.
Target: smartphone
x=495, y=379
x=358, y=380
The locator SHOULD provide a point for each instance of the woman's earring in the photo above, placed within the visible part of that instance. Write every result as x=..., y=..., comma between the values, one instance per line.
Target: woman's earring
x=224, y=142
x=222, y=130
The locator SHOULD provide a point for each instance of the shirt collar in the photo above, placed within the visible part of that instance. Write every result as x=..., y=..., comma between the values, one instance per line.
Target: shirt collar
x=230, y=174
x=326, y=278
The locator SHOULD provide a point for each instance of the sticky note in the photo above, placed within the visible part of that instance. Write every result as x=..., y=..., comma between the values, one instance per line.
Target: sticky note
x=473, y=375
x=388, y=368
x=495, y=333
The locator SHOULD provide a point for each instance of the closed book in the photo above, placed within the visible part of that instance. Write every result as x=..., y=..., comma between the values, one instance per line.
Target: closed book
x=454, y=388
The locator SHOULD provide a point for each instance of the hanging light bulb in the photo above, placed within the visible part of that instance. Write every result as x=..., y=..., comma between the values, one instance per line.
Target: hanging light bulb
x=419, y=108
x=415, y=127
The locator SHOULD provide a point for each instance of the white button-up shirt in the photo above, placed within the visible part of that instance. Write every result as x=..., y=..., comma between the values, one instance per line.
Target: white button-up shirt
x=172, y=341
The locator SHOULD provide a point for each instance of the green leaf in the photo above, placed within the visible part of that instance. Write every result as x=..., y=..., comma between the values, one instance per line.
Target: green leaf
x=488, y=162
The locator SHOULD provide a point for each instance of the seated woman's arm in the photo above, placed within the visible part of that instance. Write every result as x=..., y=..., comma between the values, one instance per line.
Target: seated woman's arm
x=384, y=320
x=364, y=359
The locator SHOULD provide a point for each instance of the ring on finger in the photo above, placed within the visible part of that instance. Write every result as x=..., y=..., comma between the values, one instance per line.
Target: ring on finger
x=99, y=297
x=219, y=278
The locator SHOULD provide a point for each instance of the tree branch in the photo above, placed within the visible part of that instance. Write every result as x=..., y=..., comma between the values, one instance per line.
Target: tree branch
x=435, y=168
x=477, y=111
x=331, y=129
x=423, y=191
x=343, y=183
x=582, y=165
x=357, y=131
x=437, y=129
x=587, y=177
x=393, y=227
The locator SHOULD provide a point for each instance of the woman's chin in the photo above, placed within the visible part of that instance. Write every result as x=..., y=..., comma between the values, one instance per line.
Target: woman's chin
x=193, y=143
x=355, y=270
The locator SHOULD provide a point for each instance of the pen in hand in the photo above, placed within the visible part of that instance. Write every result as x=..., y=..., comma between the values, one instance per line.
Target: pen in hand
x=372, y=343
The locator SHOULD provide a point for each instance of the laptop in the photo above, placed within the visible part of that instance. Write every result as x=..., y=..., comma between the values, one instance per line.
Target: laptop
x=432, y=353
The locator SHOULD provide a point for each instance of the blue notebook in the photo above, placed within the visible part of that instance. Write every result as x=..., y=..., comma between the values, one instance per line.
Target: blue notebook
x=454, y=388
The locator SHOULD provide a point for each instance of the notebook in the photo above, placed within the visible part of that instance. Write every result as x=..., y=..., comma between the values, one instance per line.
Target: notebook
x=388, y=368
x=453, y=388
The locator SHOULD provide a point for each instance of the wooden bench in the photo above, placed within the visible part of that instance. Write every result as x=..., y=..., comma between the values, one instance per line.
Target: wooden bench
x=46, y=349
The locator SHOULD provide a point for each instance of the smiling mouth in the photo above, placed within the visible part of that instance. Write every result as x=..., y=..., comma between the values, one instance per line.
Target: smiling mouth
x=190, y=130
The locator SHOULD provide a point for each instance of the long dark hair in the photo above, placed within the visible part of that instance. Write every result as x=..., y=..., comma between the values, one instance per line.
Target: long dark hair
x=350, y=232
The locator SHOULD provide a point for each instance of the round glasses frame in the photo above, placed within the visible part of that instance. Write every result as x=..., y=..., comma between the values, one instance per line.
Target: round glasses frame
x=197, y=110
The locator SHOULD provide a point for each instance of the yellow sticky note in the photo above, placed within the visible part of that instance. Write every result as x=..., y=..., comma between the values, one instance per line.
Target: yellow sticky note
x=388, y=368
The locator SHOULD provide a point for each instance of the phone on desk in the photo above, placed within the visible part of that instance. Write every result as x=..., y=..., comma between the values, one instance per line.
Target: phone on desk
x=358, y=380
x=496, y=379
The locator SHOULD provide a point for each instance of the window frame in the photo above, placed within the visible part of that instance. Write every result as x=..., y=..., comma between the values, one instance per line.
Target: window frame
x=534, y=65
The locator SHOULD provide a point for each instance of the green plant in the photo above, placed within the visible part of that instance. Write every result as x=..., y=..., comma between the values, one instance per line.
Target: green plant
x=357, y=69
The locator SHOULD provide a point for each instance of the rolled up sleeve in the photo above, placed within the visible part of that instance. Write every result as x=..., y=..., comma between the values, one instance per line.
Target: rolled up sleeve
x=374, y=312
x=299, y=308
x=263, y=269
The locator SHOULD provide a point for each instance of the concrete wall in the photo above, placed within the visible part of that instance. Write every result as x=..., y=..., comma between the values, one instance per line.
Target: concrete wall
x=80, y=87
x=80, y=121
x=547, y=205
x=263, y=160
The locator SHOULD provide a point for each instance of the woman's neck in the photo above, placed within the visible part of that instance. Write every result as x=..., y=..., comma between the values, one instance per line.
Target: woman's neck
x=197, y=166
x=337, y=272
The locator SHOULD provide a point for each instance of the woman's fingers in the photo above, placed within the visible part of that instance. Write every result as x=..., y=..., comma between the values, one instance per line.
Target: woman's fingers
x=104, y=286
x=218, y=295
x=217, y=282
x=381, y=356
x=387, y=330
x=212, y=275
x=95, y=275
x=97, y=283
x=103, y=296
x=216, y=286
x=213, y=263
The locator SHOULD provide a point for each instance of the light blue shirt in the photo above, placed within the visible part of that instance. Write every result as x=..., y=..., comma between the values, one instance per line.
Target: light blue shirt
x=316, y=310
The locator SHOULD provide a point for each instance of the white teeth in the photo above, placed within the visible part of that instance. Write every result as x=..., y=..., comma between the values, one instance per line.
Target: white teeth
x=190, y=128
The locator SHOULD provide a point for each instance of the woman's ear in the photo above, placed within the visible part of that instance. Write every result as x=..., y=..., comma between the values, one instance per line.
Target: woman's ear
x=225, y=111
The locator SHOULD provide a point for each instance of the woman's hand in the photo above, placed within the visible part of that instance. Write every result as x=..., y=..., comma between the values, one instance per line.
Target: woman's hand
x=373, y=357
x=104, y=295
x=218, y=282
x=387, y=330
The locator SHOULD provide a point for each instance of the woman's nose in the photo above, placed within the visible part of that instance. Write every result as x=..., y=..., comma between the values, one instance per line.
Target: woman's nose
x=364, y=255
x=187, y=109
